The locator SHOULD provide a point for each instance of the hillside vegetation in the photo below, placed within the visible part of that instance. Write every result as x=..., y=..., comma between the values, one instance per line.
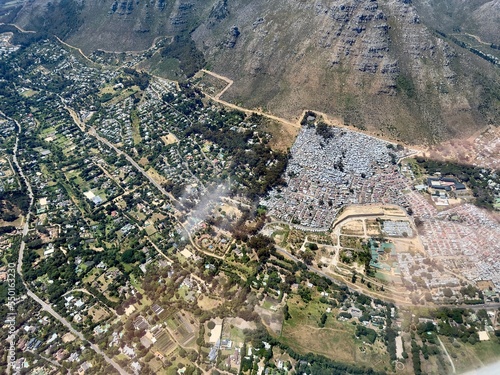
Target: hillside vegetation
x=389, y=66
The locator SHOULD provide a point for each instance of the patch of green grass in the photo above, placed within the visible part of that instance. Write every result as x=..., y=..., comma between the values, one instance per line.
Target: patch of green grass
x=166, y=67
x=335, y=340
x=267, y=305
x=383, y=276
x=405, y=85
x=487, y=351
x=237, y=335
x=136, y=122
x=467, y=356
x=171, y=324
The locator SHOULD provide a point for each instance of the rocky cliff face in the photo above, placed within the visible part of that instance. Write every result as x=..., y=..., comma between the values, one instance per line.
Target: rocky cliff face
x=372, y=63
x=118, y=25
x=376, y=64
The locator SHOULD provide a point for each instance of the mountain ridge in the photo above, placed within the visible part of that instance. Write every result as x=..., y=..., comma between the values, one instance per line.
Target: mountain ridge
x=378, y=65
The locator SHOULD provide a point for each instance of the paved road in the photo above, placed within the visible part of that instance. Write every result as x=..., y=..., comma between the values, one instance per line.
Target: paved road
x=376, y=295
x=45, y=306
x=119, y=152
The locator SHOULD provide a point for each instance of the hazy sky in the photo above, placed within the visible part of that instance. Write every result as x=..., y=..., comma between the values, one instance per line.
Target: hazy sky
x=493, y=369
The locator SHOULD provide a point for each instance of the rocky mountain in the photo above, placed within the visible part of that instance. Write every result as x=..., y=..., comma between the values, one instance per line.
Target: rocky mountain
x=478, y=17
x=393, y=66
x=112, y=25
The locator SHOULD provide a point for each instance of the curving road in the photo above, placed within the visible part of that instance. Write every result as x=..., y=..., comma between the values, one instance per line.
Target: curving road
x=395, y=300
x=119, y=152
x=45, y=306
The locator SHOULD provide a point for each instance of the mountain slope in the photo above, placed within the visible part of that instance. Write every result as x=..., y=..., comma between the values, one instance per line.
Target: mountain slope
x=114, y=25
x=375, y=64
x=371, y=62
x=478, y=17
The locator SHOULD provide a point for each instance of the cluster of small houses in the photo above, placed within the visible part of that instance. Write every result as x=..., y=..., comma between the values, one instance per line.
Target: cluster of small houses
x=6, y=48
x=33, y=344
x=323, y=175
x=117, y=124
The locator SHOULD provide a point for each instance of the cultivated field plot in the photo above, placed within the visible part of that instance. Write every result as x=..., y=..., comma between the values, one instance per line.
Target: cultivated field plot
x=182, y=328
x=353, y=228
x=164, y=342
x=372, y=227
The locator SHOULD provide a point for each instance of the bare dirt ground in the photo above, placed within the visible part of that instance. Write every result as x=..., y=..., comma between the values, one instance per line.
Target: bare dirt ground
x=207, y=303
x=481, y=149
x=68, y=337
x=241, y=323
x=372, y=227
x=273, y=320
x=353, y=228
x=169, y=139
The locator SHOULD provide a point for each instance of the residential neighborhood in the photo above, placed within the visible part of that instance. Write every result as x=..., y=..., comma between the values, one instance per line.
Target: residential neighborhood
x=152, y=229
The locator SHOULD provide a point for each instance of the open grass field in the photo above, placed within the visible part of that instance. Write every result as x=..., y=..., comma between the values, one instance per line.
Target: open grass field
x=136, y=131
x=150, y=228
x=350, y=242
x=269, y=305
x=74, y=176
x=155, y=364
x=156, y=176
x=236, y=335
x=336, y=340
x=123, y=95
x=68, y=337
x=207, y=303
x=282, y=134
x=468, y=357
x=383, y=276
x=138, y=215
x=354, y=227
x=279, y=233
x=92, y=275
x=98, y=313
x=162, y=67
x=17, y=223
x=372, y=227
x=29, y=93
